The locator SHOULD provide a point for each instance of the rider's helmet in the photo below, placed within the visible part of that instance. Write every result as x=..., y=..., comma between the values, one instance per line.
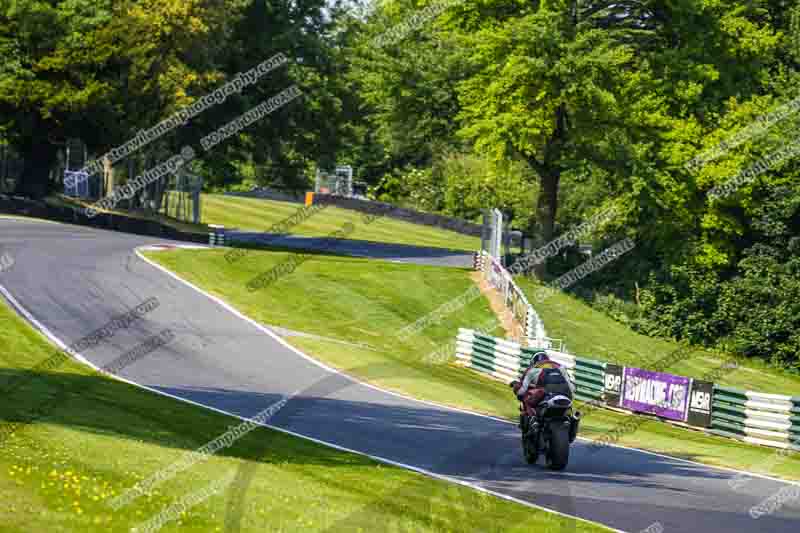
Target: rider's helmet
x=538, y=357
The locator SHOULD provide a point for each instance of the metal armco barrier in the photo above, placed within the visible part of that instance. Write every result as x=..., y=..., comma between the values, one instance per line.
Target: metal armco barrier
x=757, y=418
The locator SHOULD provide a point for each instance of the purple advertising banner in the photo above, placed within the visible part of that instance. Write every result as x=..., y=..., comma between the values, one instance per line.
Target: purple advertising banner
x=660, y=394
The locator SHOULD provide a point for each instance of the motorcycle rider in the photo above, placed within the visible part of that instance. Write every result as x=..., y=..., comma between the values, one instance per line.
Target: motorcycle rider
x=543, y=376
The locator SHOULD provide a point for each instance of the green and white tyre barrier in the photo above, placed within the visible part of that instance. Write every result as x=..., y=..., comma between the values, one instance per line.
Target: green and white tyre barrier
x=757, y=418
x=506, y=361
x=216, y=237
x=498, y=358
x=753, y=417
x=589, y=379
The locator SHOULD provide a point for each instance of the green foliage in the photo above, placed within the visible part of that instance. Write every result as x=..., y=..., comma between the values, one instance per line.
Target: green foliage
x=407, y=92
x=761, y=310
x=471, y=183
x=425, y=190
x=420, y=189
x=462, y=185
x=101, y=71
x=683, y=305
x=750, y=307
x=389, y=189
x=755, y=313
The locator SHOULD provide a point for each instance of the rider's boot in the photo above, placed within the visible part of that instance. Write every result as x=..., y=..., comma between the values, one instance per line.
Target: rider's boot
x=533, y=424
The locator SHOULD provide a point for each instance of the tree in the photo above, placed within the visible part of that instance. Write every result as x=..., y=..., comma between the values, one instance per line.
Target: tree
x=406, y=89
x=98, y=71
x=51, y=54
x=559, y=86
x=102, y=71
x=285, y=145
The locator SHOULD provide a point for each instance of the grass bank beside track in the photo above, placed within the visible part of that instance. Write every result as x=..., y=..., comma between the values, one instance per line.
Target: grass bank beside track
x=256, y=214
x=58, y=471
x=363, y=301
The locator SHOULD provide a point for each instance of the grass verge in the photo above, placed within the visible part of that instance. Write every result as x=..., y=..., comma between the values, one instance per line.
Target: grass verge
x=365, y=301
x=59, y=468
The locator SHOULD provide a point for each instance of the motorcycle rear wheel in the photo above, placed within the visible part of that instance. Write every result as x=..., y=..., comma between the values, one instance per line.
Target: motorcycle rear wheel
x=558, y=451
x=529, y=450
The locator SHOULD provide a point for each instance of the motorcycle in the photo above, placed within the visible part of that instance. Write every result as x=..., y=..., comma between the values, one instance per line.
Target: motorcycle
x=551, y=432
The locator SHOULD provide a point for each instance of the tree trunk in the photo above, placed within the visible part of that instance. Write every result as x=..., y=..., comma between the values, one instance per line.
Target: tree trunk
x=39, y=156
x=160, y=189
x=547, y=205
x=549, y=177
x=546, y=209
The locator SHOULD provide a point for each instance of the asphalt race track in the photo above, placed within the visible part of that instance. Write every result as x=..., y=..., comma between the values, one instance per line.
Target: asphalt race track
x=73, y=279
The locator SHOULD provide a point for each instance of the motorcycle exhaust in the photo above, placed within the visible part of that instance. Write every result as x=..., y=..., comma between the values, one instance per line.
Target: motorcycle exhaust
x=573, y=427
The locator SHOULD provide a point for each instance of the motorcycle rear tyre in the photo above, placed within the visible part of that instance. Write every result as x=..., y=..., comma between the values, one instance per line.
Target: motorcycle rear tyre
x=558, y=451
x=529, y=450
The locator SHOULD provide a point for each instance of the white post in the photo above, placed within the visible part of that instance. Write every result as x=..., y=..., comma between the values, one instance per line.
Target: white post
x=497, y=234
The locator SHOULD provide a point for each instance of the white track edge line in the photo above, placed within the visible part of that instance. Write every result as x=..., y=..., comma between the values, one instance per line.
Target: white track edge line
x=50, y=335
